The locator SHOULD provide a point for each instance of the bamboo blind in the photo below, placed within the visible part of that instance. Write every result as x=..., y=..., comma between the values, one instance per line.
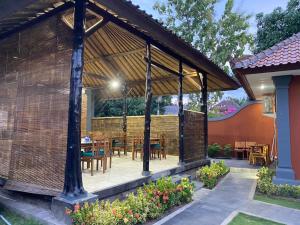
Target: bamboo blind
x=34, y=94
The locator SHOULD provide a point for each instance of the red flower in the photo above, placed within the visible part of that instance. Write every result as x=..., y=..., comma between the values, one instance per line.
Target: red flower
x=165, y=198
x=130, y=212
x=137, y=215
x=114, y=212
x=76, y=207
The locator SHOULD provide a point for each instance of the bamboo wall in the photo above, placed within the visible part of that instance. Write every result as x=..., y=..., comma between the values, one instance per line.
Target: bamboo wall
x=34, y=94
x=193, y=136
x=165, y=124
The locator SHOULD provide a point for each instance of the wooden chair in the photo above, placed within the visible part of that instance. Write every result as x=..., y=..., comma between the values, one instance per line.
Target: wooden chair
x=102, y=152
x=260, y=152
x=137, y=146
x=86, y=153
x=118, y=144
x=162, y=151
x=239, y=147
x=249, y=145
x=157, y=146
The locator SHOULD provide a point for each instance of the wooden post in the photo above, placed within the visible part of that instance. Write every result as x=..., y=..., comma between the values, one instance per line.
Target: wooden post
x=125, y=117
x=204, y=110
x=180, y=115
x=73, y=178
x=148, y=98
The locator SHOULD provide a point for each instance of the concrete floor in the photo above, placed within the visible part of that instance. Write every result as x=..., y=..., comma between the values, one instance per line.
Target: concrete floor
x=123, y=170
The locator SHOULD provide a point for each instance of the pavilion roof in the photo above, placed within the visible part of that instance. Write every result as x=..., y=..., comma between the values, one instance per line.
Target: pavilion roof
x=117, y=49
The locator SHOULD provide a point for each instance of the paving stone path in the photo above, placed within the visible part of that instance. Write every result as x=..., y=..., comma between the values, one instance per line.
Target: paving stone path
x=232, y=195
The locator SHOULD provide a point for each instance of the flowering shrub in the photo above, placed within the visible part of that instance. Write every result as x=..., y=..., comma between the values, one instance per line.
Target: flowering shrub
x=265, y=185
x=209, y=175
x=150, y=202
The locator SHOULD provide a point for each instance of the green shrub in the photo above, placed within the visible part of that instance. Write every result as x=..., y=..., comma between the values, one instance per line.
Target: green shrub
x=210, y=175
x=214, y=150
x=227, y=150
x=150, y=202
x=265, y=185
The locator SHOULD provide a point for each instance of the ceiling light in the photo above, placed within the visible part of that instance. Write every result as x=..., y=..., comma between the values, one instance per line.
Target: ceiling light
x=262, y=87
x=115, y=84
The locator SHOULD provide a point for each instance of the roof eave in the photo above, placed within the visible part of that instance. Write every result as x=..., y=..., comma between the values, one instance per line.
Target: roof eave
x=169, y=40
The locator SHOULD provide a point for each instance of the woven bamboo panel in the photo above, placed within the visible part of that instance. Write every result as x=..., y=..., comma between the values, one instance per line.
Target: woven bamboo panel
x=167, y=125
x=34, y=95
x=193, y=136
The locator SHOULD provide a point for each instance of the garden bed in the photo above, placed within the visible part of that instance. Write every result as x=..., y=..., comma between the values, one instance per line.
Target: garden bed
x=211, y=175
x=149, y=203
x=283, y=195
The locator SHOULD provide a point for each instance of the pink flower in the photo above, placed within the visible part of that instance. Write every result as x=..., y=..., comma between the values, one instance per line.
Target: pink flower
x=76, y=207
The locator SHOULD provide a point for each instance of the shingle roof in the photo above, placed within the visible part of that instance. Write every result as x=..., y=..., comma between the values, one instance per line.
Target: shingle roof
x=285, y=52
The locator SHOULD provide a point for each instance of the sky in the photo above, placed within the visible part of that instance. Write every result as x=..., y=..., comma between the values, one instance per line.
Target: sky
x=251, y=7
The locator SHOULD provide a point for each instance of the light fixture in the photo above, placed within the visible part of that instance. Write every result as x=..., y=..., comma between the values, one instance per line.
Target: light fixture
x=262, y=87
x=115, y=84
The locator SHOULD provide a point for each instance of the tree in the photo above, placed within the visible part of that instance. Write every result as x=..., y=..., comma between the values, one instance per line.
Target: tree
x=277, y=25
x=219, y=39
x=136, y=106
x=194, y=20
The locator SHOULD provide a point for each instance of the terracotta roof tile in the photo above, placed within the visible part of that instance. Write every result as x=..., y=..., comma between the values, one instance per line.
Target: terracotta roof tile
x=287, y=51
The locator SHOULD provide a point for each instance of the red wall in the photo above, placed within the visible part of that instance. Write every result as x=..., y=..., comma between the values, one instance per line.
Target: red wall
x=249, y=124
x=294, y=98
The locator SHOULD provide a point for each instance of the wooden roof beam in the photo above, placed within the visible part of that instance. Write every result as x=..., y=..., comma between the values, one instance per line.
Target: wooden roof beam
x=39, y=18
x=98, y=25
x=160, y=66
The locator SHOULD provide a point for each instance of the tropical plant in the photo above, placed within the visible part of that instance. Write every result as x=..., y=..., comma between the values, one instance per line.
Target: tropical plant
x=227, y=150
x=214, y=150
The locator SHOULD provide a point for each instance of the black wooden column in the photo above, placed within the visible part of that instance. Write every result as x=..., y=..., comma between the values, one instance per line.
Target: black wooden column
x=148, y=98
x=125, y=116
x=180, y=115
x=204, y=110
x=73, y=179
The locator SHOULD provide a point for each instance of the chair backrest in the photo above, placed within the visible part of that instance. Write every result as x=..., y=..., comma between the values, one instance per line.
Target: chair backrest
x=239, y=144
x=250, y=143
x=101, y=144
x=162, y=140
x=265, y=149
x=137, y=141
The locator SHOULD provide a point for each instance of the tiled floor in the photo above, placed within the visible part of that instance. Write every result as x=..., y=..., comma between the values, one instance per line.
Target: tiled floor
x=123, y=170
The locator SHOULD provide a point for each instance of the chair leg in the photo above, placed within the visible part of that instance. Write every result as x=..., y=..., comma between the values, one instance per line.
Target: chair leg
x=97, y=165
x=110, y=161
x=92, y=167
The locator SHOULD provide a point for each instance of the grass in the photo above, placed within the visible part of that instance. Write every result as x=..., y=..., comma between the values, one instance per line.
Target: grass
x=244, y=219
x=15, y=219
x=286, y=202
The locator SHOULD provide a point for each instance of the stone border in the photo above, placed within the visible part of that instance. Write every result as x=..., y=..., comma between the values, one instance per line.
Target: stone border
x=59, y=204
x=118, y=189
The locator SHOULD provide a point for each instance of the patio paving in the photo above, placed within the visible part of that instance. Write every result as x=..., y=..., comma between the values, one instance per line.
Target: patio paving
x=124, y=170
x=232, y=195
